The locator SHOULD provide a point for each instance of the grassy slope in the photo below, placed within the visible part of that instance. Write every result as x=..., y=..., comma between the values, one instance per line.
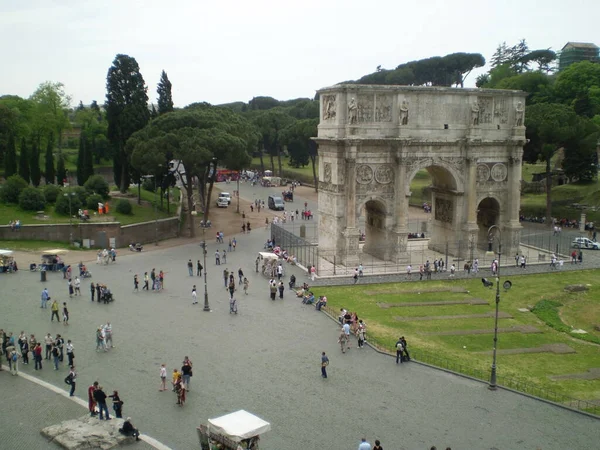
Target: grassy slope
x=581, y=310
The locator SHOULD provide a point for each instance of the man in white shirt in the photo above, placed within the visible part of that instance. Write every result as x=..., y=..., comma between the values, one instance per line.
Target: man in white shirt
x=364, y=445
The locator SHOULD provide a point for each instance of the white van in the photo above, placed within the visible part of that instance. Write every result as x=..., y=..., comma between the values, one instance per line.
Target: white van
x=226, y=196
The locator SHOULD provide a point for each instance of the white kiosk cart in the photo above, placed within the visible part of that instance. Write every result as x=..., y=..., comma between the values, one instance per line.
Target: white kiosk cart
x=239, y=430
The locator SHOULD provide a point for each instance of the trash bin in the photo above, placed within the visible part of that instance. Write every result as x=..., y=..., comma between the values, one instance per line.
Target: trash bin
x=43, y=275
x=303, y=231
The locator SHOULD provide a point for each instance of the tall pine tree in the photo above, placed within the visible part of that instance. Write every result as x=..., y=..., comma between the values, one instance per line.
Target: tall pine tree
x=61, y=173
x=126, y=112
x=50, y=173
x=34, y=163
x=10, y=159
x=24, y=161
x=165, y=99
x=81, y=160
x=88, y=160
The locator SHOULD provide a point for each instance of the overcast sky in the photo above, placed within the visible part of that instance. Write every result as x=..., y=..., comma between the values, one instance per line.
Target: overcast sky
x=229, y=50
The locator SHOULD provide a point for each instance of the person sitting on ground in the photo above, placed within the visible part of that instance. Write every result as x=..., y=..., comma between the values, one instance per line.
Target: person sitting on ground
x=322, y=302
x=309, y=298
x=129, y=430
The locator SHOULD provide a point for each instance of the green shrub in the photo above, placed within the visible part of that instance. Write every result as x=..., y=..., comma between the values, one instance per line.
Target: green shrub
x=11, y=189
x=51, y=192
x=124, y=207
x=547, y=311
x=32, y=199
x=96, y=184
x=93, y=200
x=148, y=184
x=62, y=204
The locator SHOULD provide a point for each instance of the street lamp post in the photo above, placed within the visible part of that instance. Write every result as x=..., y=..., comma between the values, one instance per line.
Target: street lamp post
x=211, y=168
x=492, y=386
x=155, y=210
x=238, y=192
x=69, y=195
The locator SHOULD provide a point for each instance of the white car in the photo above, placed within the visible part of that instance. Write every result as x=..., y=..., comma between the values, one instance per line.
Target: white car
x=222, y=202
x=583, y=242
x=226, y=196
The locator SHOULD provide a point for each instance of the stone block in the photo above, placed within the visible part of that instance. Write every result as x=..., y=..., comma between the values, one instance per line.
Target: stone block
x=86, y=433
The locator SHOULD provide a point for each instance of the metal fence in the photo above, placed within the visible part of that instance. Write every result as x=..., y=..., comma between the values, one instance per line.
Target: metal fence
x=304, y=250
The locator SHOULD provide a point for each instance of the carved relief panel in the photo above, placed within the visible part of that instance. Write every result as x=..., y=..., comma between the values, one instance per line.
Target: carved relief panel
x=365, y=108
x=486, y=109
x=444, y=210
x=329, y=107
x=383, y=109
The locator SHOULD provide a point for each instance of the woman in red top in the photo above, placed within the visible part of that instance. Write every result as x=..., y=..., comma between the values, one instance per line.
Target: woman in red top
x=91, y=401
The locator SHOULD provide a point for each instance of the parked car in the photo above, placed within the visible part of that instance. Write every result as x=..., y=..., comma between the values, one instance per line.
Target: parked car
x=226, y=196
x=222, y=202
x=585, y=243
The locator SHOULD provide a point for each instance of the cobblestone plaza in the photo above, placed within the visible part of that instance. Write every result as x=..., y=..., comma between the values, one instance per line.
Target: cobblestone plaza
x=266, y=360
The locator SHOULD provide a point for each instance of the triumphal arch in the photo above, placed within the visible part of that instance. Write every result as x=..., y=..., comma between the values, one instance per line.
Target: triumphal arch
x=372, y=141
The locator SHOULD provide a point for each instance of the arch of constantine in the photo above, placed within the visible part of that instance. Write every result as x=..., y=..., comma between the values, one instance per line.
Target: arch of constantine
x=374, y=139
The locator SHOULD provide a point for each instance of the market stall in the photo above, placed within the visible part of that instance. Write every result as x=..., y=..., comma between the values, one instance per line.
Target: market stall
x=239, y=430
x=7, y=261
x=268, y=263
x=52, y=259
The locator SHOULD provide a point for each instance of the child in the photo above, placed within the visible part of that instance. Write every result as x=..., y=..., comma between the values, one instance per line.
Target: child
x=246, y=284
x=163, y=378
x=176, y=376
x=65, y=314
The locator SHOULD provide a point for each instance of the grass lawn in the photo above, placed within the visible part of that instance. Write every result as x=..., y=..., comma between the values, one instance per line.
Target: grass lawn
x=36, y=245
x=421, y=180
x=425, y=338
x=305, y=172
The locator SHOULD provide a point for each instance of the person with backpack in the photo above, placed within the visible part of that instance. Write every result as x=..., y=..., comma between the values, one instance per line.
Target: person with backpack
x=399, y=350
x=405, y=345
x=71, y=380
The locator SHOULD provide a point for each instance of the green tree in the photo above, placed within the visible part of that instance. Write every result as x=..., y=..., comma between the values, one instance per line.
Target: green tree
x=24, y=161
x=32, y=199
x=10, y=161
x=549, y=127
x=81, y=160
x=34, y=164
x=126, y=112
x=271, y=124
x=579, y=85
x=165, y=99
x=52, y=106
x=536, y=84
x=61, y=172
x=96, y=184
x=196, y=137
x=297, y=138
x=49, y=173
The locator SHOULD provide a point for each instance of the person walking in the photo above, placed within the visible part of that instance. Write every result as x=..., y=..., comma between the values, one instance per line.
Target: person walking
x=361, y=336
x=70, y=352
x=91, y=400
x=100, y=340
x=246, y=285
x=405, y=346
x=364, y=445
x=117, y=404
x=186, y=373
x=194, y=296
x=163, y=378
x=108, y=335
x=13, y=361
x=44, y=298
x=377, y=445
x=48, y=341
x=313, y=272
x=281, y=288
x=231, y=287
x=77, y=285
x=65, y=314
x=153, y=278
x=324, y=364
x=92, y=290
x=60, y=343
x=241, y=275
x=55, y=352
x=234, y=243
x=71, y=290
x=224, y=256
x=72, y=380
x=225, y=277
x=399, y=351
x=37, y=356
x=272, y=289
x=199, y=269
x=190, y=266
x=355, y=276
x=136, y=283
x=54, y=309
x=100, y=398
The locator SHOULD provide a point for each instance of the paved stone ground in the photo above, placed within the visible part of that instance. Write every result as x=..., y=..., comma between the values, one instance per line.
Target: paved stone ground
x=266, y=360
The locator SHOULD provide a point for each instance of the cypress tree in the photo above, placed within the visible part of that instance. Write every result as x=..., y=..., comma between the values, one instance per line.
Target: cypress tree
x=24, y=161
x=10, y=160
x=81, y=161
x=88, y=161
x=50, y=172
x=61, y=173
x=165, y=99
x=34, y=163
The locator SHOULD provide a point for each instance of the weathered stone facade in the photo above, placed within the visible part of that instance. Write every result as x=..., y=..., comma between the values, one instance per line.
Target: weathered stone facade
x=373, y=140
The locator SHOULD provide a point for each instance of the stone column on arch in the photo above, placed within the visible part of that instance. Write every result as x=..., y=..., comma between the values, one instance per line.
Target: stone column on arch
x=399, y=234
x=470, y=224
x=513, y=195
x=350, y=232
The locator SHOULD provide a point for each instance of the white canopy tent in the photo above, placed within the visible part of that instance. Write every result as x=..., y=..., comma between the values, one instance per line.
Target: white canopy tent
x=238, y=425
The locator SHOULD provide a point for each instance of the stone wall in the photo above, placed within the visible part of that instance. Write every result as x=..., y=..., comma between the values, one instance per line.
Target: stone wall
x=141, y=232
